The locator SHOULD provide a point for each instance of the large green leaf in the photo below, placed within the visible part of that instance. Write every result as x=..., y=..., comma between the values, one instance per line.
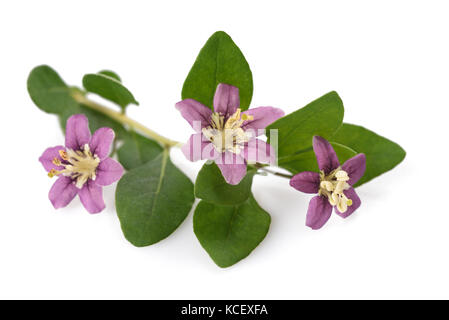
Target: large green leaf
x=109, y=88
x=152, y=200
x=321, y=117
x=219, y=61
x=381, y=154
x=306, y=161
x=230, y=233
x=137, y=150
x=212, y=187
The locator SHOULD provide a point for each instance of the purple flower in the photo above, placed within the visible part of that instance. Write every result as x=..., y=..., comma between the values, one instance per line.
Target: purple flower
x=82, y=166
x=227, y=135
x=333, y=184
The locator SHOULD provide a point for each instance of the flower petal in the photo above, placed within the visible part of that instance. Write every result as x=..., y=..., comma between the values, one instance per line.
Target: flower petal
x=101, y=142
x=77, y=132
x=226, y=99
x=356, y=202
x=199, y=147
x=262, y=117
x=355, y=167
x=259, y=151
x=232, y=167
x=318, y=213
x=108, y=171
x=47, y=158
x=91, y=196
x=62, y=192
x=325, y=155
x=193, y=111
x=307, y=181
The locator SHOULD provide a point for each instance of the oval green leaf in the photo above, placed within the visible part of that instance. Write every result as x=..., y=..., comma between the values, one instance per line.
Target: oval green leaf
x=137, y=150
x=49, y=92
x=321, y=117
x=306, y=161
x=152, y=201
x=109, y=88
x=219, y=61
x=230, y=233
x=111, y=74
x=212, y=187
x=382, y=154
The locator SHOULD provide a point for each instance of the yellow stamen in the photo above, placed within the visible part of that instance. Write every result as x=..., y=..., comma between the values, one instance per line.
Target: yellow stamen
x=63, y=155
x=56, y=162
x=339, y=186
x=342, y=175
x=227, y=136
x=52, y=173
x=342, y=206
x=333, y=186
x=80, y=165
x=327, y=185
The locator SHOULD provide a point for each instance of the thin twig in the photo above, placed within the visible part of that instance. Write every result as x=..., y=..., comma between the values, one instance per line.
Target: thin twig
x=122, y=118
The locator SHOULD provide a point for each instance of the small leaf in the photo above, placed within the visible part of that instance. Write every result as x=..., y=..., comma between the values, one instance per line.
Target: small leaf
x=137, y=150
x=230, y=233
x=109, y=88
x=152, y=200
x=306, y=161
x=111, y=74
x=219, y=61
x=382, y=154
x=321, y=117
x=49, y=92
x=212, y=187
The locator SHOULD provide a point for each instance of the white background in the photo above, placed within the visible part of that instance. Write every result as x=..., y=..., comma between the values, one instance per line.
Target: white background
x=388, y=60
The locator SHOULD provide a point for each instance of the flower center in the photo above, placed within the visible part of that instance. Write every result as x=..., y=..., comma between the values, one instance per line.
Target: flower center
x=227, y=136
x=332, y=186
x=80, y=165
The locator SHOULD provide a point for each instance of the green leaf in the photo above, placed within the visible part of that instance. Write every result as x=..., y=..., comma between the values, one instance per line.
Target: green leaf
x=382, y=154
x=230, y=233
x=306, y=161
x=110, y=74
x=321, y=117
x=219, y=61
x=49, y=92
x=137, y=150
x=212, y=187
x=109, y=88
x=152, y=201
